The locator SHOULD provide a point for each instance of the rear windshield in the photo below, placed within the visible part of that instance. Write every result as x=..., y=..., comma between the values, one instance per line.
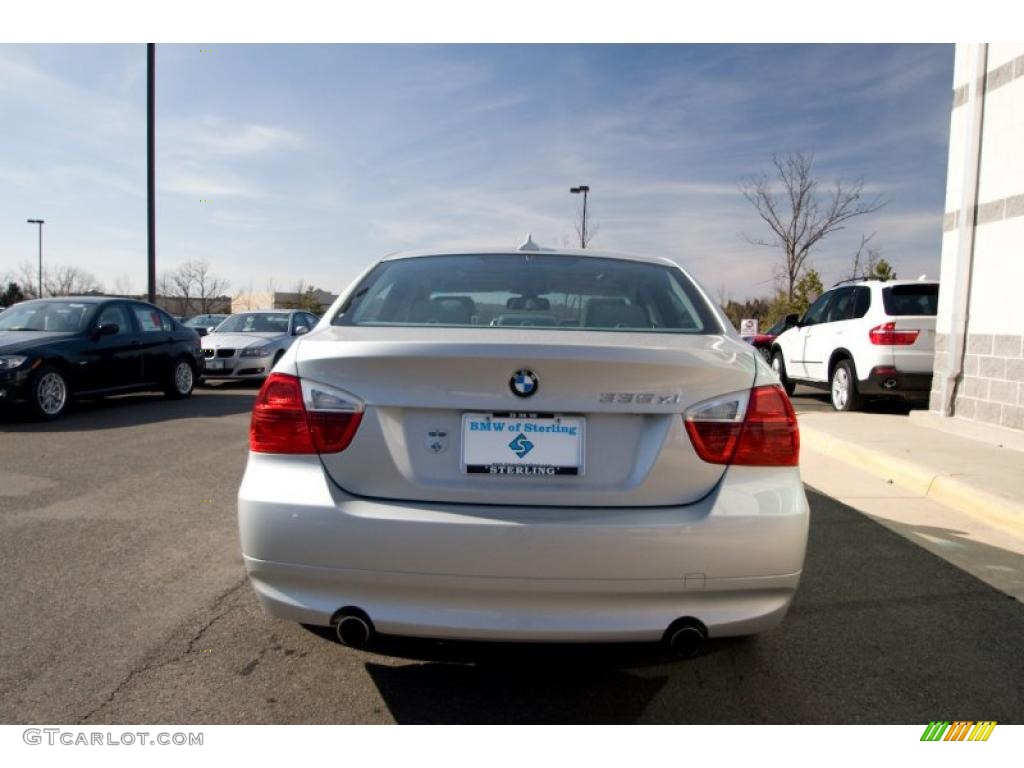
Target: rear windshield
x=911, y=299
x=535, y=291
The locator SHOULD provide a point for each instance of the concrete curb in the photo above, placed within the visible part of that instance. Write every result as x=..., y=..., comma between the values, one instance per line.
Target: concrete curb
x=940, y=487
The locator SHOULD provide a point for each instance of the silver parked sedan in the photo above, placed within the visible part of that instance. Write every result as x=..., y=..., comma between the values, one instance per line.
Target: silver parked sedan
x=536, y=445
x=247, y=345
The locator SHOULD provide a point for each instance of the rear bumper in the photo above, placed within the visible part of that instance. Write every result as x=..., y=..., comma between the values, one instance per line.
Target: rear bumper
x=885, y=380
x=732, y=560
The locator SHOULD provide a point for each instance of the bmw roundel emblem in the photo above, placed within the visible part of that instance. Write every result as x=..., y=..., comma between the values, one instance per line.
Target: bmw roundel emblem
x=524, y=383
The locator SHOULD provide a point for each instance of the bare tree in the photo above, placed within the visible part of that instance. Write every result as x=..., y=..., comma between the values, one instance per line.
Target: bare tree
x=208, y=285
x=192, y=283
x=860, y=255
x=871, y=263
x=123, y=286
x=181, y=287
x=800, y=215
x=164, y=286
x=27, y=276
x=587, y=235
x=58, y=280
x=66, y=280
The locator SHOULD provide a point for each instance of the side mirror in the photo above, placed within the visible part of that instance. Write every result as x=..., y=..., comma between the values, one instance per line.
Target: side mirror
x=107, y=329
x=201, y=331
x=300, y=330
x=792, y=321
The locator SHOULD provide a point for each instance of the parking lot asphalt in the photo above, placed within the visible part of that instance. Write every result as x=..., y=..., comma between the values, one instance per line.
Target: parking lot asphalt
x=124, y=601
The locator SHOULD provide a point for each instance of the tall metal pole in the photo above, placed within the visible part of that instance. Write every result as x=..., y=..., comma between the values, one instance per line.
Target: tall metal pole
x=40, y=222
x=583, y=237
x=151, y=163
x=582, y=189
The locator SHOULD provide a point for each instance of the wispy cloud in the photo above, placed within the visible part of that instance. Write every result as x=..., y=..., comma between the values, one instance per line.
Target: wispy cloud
x=319, y=158
x=203, y=184
x=218, y=137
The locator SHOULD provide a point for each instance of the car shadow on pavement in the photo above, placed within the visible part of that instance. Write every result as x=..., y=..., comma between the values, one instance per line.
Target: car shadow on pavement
x=445, y=693
x=497, y=682
x=881, y=631
x=134, y=410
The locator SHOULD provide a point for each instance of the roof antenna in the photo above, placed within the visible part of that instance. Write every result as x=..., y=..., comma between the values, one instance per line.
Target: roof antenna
x=529, y=245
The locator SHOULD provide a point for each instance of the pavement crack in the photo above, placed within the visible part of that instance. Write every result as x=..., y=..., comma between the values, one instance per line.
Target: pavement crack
x=215, y=612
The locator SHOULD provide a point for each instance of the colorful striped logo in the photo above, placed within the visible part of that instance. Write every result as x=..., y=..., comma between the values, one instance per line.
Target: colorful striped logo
x=958, y=730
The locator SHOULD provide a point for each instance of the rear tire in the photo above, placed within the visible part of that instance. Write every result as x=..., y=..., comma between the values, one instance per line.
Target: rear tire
x=843, y=387
x=181, y=380
x=779, y=366
x=48, y=393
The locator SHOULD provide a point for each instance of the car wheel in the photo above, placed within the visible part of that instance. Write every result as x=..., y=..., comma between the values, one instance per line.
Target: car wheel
x=48, y=393
x=182, y=380
x=843, y=387
x=779, y=366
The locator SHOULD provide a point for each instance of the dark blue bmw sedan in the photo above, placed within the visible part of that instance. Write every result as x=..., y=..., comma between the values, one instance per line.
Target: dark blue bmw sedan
x=52, y=350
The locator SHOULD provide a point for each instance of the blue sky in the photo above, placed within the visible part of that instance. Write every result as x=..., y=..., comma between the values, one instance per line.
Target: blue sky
x=319, y=159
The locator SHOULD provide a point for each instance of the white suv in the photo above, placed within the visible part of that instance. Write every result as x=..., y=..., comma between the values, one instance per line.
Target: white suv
x=862, y=338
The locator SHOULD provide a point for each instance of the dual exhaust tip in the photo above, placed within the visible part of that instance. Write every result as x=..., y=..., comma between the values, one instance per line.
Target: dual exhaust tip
x=685, y=636
x=353, y=627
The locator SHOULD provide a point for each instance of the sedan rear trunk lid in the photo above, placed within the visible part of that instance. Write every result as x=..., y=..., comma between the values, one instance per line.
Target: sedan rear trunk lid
x=629, y=390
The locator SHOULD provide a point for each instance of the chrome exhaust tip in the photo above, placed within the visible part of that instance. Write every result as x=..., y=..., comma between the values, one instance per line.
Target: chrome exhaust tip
x=889, y=383
x=686, y=637
x=353, y=628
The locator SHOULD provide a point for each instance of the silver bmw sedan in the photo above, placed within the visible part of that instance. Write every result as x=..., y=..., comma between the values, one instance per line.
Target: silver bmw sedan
x=530, y=445
x=248, y=344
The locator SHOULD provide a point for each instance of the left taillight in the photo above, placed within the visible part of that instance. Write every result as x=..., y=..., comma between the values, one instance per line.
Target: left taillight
x=754, y=427
x=293, y=415
x=887, y=335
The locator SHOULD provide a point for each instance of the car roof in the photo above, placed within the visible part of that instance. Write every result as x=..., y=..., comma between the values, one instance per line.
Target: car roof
x=487, y=251
x=91, y=299
x=75, y=299
x=882, y=283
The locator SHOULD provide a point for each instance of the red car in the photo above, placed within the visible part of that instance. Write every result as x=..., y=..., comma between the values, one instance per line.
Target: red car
x=763, y=341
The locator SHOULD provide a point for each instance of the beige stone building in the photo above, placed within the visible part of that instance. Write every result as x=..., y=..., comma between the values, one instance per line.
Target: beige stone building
x=247, y=301
x=979, y=361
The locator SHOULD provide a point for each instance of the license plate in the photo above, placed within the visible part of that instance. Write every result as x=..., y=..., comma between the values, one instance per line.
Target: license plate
x=215, y=365
x=508, y=444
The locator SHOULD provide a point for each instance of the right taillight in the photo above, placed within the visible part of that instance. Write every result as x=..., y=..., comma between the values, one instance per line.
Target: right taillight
x=753, y=428
x=886, y=334
x=293, y=415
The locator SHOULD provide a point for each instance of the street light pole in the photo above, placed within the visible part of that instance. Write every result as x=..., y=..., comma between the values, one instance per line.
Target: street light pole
x=584, y=189
x=40, y=222
x=151, y=170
